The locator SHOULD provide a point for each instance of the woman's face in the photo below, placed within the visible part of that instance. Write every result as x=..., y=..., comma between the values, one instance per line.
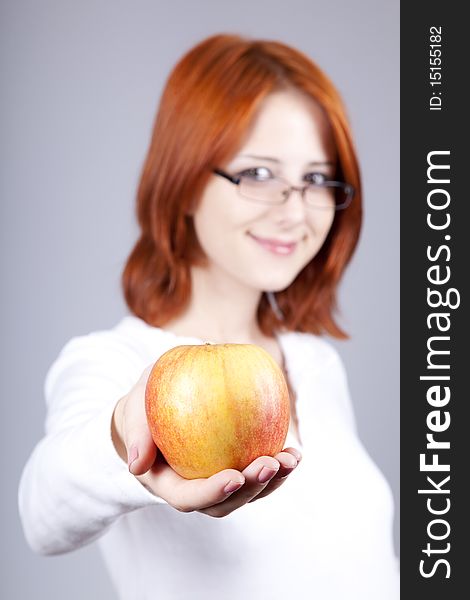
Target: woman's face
x=265, y=246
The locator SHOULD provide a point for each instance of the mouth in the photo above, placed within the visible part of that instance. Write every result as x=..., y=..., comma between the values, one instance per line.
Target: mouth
x=279, y=247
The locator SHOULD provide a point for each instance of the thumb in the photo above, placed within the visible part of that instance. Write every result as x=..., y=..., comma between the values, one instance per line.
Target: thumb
x=141, y=454
x=141, y=449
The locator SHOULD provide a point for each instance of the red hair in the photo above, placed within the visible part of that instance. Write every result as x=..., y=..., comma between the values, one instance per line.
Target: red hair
x=205, y=111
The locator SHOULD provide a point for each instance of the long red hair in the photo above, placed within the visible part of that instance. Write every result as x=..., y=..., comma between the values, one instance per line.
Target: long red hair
x=206, y=109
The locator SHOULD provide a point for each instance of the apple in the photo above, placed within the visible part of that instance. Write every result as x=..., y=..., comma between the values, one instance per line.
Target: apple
x=216, y=406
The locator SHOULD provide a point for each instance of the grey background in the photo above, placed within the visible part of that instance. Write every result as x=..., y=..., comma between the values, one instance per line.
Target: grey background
x=80, y=85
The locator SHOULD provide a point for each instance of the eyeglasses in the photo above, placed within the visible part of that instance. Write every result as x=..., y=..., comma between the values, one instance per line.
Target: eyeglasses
x=318, y=192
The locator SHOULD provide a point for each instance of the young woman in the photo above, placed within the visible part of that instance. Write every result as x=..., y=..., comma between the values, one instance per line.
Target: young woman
x=249, y=209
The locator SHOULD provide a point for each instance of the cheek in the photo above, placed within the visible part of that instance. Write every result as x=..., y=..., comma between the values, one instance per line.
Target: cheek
x=208, y=231
x=320, y=224
x=220, y=216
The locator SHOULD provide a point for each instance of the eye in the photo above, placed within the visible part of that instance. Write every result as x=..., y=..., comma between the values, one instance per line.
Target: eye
x=257, y=173
x=315, y=178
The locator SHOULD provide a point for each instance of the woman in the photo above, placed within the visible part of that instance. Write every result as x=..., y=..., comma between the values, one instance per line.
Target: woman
x=249, y=209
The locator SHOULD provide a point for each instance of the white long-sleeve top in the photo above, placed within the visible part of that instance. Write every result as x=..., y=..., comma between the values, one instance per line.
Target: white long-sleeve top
x=325, y=534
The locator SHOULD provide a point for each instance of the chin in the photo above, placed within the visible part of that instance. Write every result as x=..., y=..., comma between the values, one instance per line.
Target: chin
x=276, y=284
x=274, y=288
x=279, y=282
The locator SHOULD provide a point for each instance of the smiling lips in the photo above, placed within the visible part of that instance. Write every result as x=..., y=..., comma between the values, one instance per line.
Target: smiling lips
x=275, y=246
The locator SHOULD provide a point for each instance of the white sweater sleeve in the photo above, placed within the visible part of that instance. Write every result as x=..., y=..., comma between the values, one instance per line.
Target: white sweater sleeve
x=74, y=484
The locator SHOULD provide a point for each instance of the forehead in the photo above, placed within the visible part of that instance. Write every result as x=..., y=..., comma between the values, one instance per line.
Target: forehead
x=289, y=126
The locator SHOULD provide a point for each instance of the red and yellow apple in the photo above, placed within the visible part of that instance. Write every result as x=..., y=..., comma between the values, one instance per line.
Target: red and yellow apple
x=216, y=406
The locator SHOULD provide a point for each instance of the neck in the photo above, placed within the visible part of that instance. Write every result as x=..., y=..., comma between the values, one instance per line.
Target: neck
x=221, y=309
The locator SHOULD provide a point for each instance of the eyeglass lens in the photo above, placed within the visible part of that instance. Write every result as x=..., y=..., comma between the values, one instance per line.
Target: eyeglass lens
x=274, y=191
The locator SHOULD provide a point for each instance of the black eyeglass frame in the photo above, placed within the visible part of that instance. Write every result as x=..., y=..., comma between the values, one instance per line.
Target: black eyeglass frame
x=347, y=188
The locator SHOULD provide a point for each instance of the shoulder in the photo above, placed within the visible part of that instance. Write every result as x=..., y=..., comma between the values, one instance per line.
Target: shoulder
x=318, y=372
x=115, y=340
x=303, y=348
x=123, y=350
x=129, y=337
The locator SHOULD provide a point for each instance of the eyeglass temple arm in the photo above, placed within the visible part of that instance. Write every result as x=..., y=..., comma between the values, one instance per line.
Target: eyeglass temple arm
x=231, y=178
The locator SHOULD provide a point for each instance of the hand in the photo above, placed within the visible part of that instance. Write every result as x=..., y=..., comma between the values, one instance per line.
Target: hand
x=224, y=492
x=216, y=496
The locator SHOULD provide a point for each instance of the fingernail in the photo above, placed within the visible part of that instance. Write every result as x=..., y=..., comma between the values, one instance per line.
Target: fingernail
x=132, y=456
x=266, y=474
x=232, y=486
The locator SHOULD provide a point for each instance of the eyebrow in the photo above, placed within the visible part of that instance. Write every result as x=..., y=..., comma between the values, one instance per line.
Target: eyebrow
x=315, y=163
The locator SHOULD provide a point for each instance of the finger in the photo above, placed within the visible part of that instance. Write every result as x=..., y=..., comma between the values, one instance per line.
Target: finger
x=141, y=449
x=257, y=475
x=288, y=463
x=187, y=495
x=296, y=453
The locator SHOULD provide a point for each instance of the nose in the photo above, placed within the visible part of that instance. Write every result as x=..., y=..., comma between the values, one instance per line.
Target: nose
x=292, y=210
